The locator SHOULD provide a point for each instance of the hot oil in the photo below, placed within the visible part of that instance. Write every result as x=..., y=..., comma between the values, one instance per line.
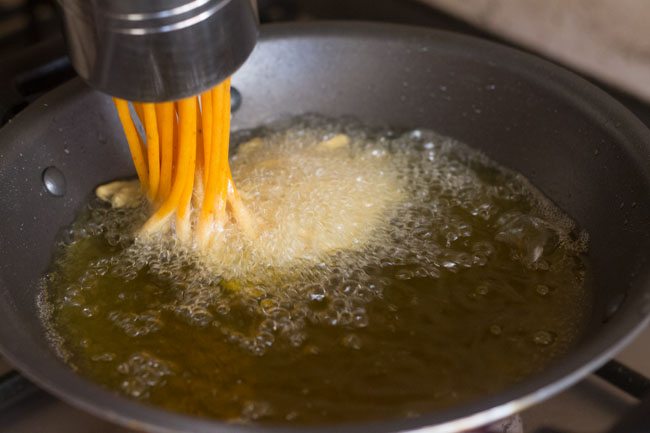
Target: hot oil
x=466, y=281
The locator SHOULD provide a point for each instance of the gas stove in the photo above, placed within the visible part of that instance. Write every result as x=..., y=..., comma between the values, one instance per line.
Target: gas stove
x=33, y=61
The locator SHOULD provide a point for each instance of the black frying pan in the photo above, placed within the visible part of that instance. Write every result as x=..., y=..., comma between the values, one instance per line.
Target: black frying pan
x=575, y=143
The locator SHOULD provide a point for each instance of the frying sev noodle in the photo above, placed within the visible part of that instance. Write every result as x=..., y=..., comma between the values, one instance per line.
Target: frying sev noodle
x=185, y=152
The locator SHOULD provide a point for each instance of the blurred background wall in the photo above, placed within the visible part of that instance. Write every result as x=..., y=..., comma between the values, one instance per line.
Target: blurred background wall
x=609, y=39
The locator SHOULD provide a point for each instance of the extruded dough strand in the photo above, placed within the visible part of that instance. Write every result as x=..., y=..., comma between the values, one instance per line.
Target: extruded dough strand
x=224, y=142
x=185, y=166
x=153, y=148
x=183, y=224
x=212, y=188
x=200, y=158
x=166, y=125
x=134, y=141
x=206, y=117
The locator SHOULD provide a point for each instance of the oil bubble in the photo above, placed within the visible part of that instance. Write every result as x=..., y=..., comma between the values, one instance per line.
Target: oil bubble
x=543, y=338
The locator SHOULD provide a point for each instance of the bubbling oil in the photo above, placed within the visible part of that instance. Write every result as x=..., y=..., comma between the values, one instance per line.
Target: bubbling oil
x=460, y=281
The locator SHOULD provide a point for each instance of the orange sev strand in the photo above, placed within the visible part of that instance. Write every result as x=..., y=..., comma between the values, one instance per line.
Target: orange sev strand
x=206, y=115
x=153, y=148
x=175, y=140
x=212, y=186
x=184, y=167
x=224, y=164
x=200, y=158
x=133, y=139
x=183, y=211
x=167, y=119
x=216, y=152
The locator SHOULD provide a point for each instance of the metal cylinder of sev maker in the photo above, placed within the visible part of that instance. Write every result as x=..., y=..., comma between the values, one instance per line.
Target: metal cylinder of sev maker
x=158, y=50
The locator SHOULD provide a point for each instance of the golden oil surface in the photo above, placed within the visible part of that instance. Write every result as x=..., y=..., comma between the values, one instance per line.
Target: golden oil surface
x=469, y=283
